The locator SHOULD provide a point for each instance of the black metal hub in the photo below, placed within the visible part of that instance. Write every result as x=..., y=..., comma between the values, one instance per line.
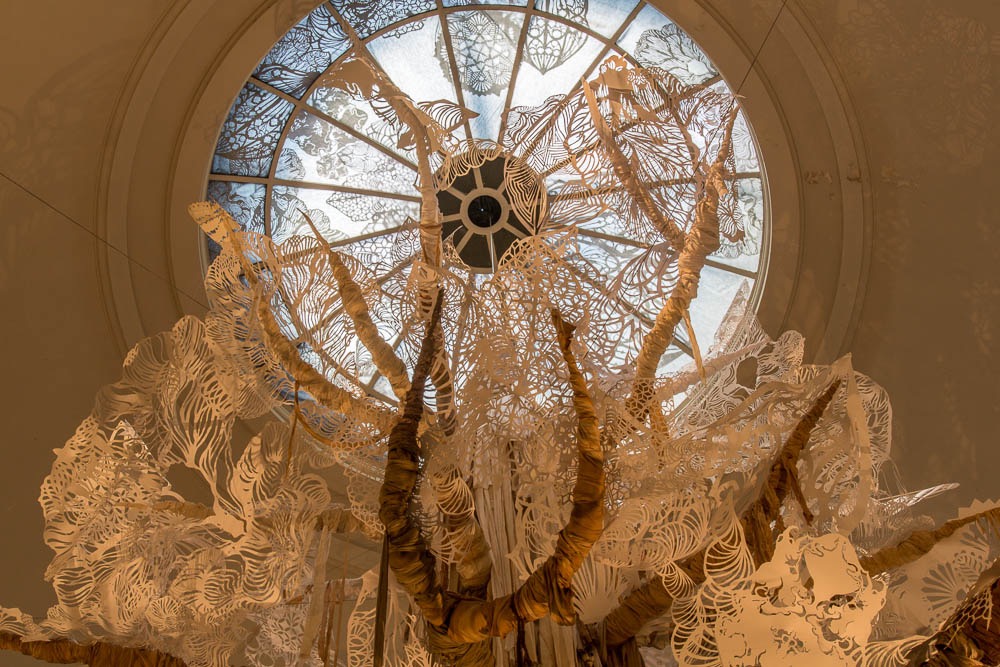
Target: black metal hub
x=484, y=211
x=478, y=218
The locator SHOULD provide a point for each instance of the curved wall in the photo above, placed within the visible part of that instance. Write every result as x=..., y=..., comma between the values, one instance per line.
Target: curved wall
x=872, y=117
x=796, y=107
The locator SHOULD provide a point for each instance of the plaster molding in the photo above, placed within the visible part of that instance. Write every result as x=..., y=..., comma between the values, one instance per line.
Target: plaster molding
x=723, y=29
x=121, y=169
x=722, y=33
x=859, y=210
x=118, y=166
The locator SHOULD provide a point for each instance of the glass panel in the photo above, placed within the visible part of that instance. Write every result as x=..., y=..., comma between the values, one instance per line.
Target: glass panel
x=375, y=214
x=745, y=254
x=417, y=61
x=485, y=45
x=358, y=115
x=380, y=231
x=338, y=215
x=243, y=201
x=608, y=223
x=387, y=253
x=388, y=256
x=608, y=257
x=677, y=202
x=383, y=387
x=551, y=43
x=318, y=151
x=602, y=16
x=303, y=53
x=716, y=292
x=370, y=16
x=655, y=41
x=565, y=52
x=462, y=3
x=673, y=361
x=248, y=137
x=744, y=149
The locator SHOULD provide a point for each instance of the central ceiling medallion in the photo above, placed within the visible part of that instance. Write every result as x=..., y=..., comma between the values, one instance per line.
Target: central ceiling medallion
x=480, y=215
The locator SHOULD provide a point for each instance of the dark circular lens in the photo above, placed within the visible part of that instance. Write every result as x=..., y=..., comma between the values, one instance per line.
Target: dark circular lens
x=484, y=211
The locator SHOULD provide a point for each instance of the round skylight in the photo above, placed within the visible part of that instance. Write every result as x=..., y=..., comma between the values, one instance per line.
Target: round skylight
x=291, y=144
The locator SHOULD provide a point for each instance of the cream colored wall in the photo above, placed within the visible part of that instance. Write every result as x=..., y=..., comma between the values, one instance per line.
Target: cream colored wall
x=874, y=118
x=924, y=79
x=71, y=77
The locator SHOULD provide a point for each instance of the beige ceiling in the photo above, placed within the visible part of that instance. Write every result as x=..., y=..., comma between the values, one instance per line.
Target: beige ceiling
x=876, y=120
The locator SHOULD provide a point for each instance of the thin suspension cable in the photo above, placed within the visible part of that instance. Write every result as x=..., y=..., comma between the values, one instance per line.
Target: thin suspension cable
x=103, y=241
x=515, y=70
x=313, y=185
x=753, y=63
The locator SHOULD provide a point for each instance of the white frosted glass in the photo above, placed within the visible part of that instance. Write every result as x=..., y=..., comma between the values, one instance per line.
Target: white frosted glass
x=744, y=148
x=716, y=291
x=417, y=62
x=674, y=360
x=607, y=223
x=463, y=3
x=602, y=16
x=338, y=216
x=609, y=257
x=655, y=41
x=320, y=152
x=534, y=86
x=485, y=45
x=370, y=16
x=746, y=253
x=360, y=116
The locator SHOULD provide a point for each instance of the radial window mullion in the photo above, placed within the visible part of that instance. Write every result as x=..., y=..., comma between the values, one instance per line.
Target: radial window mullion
x=279, y=146
x=456, y=78
x=362, y=44
x=305, y=336
x=662, y=183
x=518, y=56
x=628, y=307
x=292, y=256
x=359, y=135
x=235, y=178
x=389, y=27
x=586, y=149
x=611, y=45
x=312, y=185
x=267, y=210
x=682, y=346
x=746, y=273
x=610, y=237
x=263, y=85
x=370, y=389
x=366, y=237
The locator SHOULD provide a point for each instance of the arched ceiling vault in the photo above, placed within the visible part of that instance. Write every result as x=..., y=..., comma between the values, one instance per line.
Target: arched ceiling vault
x=872, y=120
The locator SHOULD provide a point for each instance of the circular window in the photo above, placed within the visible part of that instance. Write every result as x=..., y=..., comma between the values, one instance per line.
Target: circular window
x=293, y=145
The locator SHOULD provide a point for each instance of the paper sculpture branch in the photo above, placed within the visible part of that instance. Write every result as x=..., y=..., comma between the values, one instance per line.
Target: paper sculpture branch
x=653, y=599
x=65, y=652
x=409, y=557
x=559, y=491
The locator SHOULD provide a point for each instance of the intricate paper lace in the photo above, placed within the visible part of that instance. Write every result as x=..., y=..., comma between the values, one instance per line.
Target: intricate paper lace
x=312, y=345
